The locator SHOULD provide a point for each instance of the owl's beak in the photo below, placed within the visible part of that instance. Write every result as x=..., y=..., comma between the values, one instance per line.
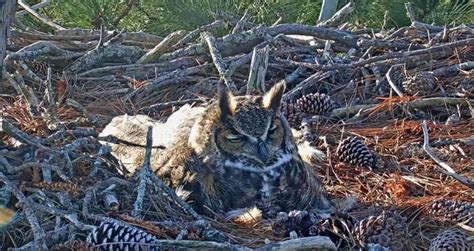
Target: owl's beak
x=262, y=151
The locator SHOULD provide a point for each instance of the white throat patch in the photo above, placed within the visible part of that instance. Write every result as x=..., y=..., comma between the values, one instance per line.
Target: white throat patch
x=283, y=159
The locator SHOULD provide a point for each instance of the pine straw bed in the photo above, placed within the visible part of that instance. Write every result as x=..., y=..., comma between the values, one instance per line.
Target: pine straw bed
x=408, y=183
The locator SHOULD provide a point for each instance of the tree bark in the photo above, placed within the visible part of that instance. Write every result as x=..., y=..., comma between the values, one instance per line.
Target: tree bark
x=7, y=10
x=328, y=9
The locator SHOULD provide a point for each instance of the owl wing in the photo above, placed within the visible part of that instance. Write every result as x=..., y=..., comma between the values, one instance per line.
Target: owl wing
x=133, y=129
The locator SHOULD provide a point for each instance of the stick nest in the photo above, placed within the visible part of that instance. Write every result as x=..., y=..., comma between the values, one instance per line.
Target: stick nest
x=61, y=89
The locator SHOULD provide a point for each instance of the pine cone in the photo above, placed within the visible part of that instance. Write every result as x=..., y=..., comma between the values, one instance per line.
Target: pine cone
x=315, y=103
x=40, y=68
x=298, y=221
x=338, y=228
x=114, y=235
x=457, y=211
x=450, y=239
x=352, y=150
x=293, y=114
x=386, y=229
x=421, y=84
x=398, y=76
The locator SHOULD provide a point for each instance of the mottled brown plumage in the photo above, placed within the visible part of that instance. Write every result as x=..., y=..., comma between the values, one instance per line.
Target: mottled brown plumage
x=236, y=154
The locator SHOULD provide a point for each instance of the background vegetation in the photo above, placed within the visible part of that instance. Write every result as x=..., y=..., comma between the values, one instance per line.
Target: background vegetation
x=162, y=16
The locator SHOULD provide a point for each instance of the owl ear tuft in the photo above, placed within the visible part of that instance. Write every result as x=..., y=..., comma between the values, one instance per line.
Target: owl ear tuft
x=272, y=99
x=227, y=103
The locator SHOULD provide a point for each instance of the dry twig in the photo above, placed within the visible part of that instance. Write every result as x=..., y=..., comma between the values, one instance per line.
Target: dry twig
x=446, y=169
x=42, y=18
x=391, y=82
x=218, y=60
x=38, y=232
x=144, y=173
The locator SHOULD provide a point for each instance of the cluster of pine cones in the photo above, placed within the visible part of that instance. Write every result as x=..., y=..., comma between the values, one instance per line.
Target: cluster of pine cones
x=308, y=105
x=387, y=229
x=351, y=150
x=420, y=84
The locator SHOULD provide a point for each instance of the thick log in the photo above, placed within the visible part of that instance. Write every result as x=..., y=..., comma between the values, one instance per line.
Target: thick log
x=302, y=244
x=414, y=104
x=98, y=56
x=318, y=243
x=244, y=42
x=87, y=35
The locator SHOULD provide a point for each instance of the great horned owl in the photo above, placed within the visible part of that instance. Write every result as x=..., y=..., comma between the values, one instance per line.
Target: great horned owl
x=235, y=154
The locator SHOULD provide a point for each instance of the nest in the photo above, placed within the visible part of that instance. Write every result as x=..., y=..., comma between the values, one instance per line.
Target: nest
x=63, y=88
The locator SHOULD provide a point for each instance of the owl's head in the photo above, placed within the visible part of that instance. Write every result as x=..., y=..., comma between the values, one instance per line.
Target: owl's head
x=251, y=127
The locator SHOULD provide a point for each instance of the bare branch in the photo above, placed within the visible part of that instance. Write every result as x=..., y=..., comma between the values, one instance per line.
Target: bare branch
x=308, y=243
x=13, y=131
x=50, y=115
x=111, y=201
x=42, y=18
x=410, y=12
x=163, y=47
x=339, y=17
x=124, y=13
x=27, y=92
x=391, y=80
x=40, y=5
x=38, y=232
x=191, y=36
x=218, y=60
x=145, y=172
x=446, y=169
x=240, y=24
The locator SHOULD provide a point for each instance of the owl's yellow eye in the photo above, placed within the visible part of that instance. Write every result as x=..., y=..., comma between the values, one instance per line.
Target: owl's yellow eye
x=233, y=138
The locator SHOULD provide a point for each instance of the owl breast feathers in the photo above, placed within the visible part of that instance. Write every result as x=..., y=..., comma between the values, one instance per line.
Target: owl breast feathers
x=236, y=153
